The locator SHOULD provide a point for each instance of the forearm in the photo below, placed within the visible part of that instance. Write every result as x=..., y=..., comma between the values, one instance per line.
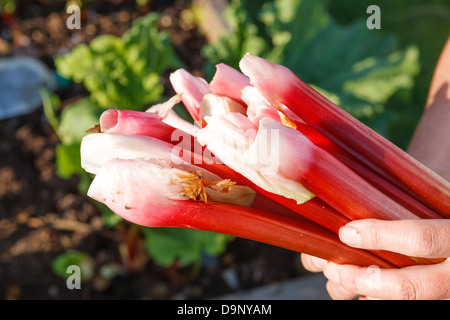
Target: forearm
x=431, y=141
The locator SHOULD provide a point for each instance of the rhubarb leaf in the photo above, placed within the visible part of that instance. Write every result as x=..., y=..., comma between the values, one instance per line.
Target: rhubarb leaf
x=167, y=245
x=76, y=118
x=122, y=72
x=63, y=264
x=358, y=68
x=231, y=47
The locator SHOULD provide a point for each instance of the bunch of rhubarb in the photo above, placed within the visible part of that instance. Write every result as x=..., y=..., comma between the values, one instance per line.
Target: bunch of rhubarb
x=268, y=159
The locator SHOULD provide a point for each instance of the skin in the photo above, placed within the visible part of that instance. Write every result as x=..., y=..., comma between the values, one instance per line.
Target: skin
x=420, y=238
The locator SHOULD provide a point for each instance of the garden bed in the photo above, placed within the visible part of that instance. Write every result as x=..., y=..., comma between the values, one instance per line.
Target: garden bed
x=42, y=215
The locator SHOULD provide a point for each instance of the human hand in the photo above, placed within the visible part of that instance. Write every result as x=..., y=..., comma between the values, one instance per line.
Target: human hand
x=417, y=238
x=420, y=238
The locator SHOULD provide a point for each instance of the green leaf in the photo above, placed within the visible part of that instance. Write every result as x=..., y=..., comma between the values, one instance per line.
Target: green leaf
x=167, y=245
x=147, y=49
x=292, y=25
x=110, y=219
x=77, y=258
x=123, y=72
x=50, y=103
x=76, y=64
x=355, y=67
x=68, y=161
x=68, y=164
x=230, y=48
x=76, y=118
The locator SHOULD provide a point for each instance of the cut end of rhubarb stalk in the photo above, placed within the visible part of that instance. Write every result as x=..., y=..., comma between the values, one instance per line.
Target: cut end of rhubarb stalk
x=254, y=154
x=109, y=119
x=163, y=109
x=229, y=82
x=98, y=150
x=170, y=117
x=155, y=182
x=249, y=63
x=213, y=104
x=192, y=89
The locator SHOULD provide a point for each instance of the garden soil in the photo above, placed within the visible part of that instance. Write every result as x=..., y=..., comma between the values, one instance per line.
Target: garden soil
x=43, y=216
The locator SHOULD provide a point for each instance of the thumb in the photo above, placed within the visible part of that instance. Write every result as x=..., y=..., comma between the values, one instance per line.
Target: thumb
x=428, y=238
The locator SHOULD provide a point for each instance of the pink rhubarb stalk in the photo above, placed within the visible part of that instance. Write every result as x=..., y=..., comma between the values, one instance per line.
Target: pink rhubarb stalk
x=259, y=108
x=305, y=168
x=378, y=181
x=213, y=104
x=344, y=190
x=155, y=194
x=138, y=123
x=281, y=87
x=228, y=82
x=98, y=149
x=170, y=117
x=192, y=90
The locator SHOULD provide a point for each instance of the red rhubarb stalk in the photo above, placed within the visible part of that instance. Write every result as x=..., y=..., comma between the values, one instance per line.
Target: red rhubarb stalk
x=334, y=182
x=138, y=123
x=98, y=149
x=259, y=108
x=391, y=190
x=229, y=82
x=281, y=87
x=192, y=90
x=120, y=184
x=301, y=172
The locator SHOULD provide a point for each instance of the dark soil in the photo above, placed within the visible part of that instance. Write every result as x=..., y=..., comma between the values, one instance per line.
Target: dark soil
x=42, y=215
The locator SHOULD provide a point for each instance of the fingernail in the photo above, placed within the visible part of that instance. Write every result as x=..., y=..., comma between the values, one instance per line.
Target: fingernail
x=350, y=236
x=320, y=263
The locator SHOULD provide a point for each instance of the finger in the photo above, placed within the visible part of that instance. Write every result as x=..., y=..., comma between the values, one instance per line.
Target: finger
x=418, y=238
x=337, y=292
x=368, y=298
x=425, y=282
x=311, y=263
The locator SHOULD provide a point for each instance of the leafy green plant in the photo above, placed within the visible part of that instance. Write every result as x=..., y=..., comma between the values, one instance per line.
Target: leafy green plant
x=165, y=245
x=77, y=258
x=123, y=73
x=357, y=68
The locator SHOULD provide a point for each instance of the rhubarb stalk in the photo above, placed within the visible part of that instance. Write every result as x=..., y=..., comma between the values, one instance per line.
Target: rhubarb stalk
x=345, y=195
x=287, y=176
x=302, y=172
x=229, y=82
x=164, y=203
x=281, y=87
x=192, y=90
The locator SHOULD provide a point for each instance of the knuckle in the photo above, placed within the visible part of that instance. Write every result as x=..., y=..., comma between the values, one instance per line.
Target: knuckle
x=405, y=289
x=373, y=237
x=352, y=282
x=427, y=243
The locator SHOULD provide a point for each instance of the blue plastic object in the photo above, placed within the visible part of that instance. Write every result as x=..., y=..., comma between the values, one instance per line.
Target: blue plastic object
x=21, y=79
